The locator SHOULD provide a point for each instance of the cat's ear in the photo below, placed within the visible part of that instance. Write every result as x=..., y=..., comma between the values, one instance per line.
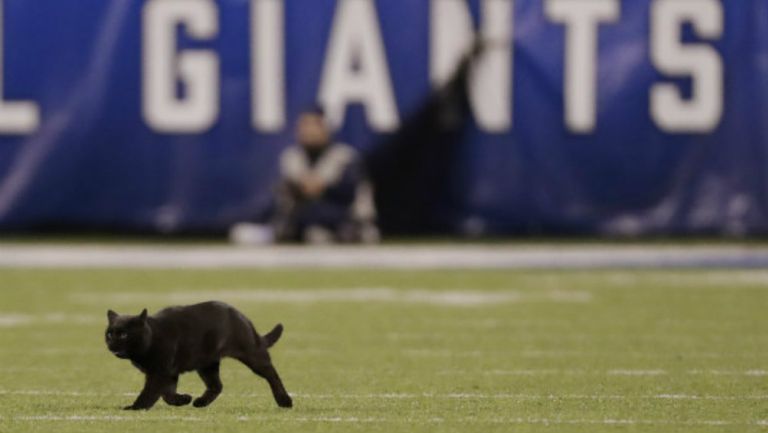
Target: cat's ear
x=143, y=315
x=111, y=316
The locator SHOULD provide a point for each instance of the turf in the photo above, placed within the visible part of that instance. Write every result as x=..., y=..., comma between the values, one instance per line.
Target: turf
x=448, y=351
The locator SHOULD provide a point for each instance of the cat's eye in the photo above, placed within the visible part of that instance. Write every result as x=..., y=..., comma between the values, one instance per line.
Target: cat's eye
x=122, y=335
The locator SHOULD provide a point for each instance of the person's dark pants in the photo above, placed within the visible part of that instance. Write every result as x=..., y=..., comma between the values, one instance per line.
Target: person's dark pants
x=306, y=214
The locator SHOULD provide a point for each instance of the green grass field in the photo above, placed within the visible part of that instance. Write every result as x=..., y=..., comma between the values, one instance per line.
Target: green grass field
x=391, y=351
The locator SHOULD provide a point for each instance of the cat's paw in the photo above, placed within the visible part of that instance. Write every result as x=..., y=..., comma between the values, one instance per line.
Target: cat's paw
x=201, y=402
x=179, y=400
x=182, y=400
x=284, y=401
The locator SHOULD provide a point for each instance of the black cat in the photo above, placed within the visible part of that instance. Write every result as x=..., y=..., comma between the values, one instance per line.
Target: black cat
x=196, y=337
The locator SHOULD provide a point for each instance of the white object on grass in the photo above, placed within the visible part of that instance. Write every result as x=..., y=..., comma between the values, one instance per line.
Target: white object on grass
x=251, y=234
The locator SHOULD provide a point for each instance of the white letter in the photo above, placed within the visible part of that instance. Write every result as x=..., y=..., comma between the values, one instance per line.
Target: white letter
x=268, y=65
x=491, y=78
x=669, y=109
x=356, y=69
x=197, y=70
x=581, y=18
x=21, y=117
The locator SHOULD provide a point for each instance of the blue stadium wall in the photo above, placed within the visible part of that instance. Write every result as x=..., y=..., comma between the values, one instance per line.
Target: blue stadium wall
x=588, y=116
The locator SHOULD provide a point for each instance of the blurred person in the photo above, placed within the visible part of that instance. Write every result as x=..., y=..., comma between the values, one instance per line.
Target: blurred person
x=324, y=195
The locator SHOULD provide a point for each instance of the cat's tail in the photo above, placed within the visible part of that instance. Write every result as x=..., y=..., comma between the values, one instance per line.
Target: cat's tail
x=271, y=338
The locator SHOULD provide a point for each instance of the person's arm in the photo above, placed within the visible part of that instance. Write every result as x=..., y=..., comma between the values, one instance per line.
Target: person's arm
x=313, y=183
x=293, y=166
x=334, y=163
x=312, y=186
x=297, y=176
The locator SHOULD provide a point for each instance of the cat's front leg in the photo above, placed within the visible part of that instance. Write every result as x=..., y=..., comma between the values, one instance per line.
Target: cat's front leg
x=174, y=398
x=154, y=385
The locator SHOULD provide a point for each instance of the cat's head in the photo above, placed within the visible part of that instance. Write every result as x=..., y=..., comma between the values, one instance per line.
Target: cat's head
x=128, y=336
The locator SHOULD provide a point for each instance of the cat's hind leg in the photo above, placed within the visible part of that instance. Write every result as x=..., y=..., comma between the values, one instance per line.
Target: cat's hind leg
x=174, y=399
x=262, y=366
x=213, y=386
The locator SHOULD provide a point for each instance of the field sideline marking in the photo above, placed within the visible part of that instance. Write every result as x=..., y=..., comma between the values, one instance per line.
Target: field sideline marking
x=383, y=257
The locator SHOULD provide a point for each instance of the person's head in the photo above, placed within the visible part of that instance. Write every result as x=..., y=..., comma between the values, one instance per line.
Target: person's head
x=312, y=131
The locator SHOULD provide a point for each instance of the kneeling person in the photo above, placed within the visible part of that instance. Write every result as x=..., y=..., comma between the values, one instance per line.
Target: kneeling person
x=323, y=194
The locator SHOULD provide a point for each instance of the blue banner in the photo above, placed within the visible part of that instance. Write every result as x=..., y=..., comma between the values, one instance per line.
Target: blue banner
x=585, y=116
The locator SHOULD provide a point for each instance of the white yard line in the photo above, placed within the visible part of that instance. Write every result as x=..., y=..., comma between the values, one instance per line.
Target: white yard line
x=537, y=372
x=650, y=355
x=415, y=296
x=622, y=372
x=753, y=373
x=389, y=257
x=56, y=393
x=413, y=396
x=328, y=419
x=531, y=397
x=611, y=372
x=358, y=420
x=111, y=418
x=14, y=320
x=447, y=353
